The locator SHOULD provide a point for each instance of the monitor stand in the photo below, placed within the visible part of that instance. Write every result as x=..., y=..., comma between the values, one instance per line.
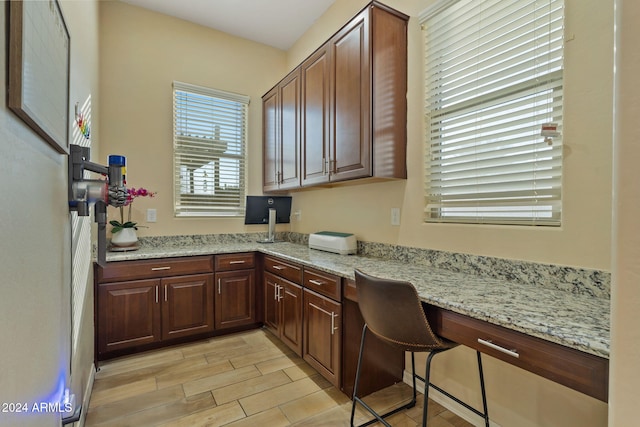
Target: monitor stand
x=271, y=237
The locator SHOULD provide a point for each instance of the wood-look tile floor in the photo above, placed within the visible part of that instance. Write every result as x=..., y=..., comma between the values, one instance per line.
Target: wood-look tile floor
x=246, y=379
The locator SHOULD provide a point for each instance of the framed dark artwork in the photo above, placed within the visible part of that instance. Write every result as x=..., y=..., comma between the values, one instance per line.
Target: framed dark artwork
x=39, y=51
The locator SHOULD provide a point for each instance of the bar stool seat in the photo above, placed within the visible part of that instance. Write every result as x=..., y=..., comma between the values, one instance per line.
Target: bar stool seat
x=392, y=310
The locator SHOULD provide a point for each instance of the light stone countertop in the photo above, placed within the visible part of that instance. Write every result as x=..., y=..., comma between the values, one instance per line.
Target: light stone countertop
x=576, y=321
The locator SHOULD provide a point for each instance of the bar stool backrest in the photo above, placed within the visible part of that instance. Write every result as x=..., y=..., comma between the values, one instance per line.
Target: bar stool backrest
x=392, y=310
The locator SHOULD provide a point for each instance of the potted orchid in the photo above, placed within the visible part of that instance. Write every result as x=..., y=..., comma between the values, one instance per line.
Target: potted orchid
x=124, y=232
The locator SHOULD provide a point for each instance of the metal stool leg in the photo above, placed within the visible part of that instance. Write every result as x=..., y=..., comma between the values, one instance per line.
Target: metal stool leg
x=356, y=399
x=428, y=384
x=484, y=393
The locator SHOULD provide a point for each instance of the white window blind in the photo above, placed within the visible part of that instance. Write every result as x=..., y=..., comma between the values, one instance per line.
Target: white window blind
x=209, y=142
x=493, y=77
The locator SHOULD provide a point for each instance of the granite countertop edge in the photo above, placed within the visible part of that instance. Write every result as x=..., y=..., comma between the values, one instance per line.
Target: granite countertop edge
x=575, y=321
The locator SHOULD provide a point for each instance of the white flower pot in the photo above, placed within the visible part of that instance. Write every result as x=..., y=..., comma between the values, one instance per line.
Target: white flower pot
x=125, y=237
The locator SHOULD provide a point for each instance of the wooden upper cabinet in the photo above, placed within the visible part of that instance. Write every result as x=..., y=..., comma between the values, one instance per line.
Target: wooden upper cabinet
x=353, y=107
x=290, y=132
x=281, y=135
x=315, y=77
x=350, y=143
x=270, y=138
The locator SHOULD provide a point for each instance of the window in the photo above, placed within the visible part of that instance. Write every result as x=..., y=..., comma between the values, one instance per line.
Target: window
x=493, y=78
x=209, y=151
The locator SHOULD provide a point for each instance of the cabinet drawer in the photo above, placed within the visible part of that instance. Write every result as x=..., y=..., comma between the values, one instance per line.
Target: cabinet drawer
x=580, y=371
x=145, y=269
x=323, y=283
x=240, y=261
x=283, y=269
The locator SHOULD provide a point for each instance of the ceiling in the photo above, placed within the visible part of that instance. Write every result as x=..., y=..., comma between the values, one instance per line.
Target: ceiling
x=278, y=23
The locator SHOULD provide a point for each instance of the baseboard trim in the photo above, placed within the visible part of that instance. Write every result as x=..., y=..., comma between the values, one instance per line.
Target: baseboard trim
x=448, y=403
x=87, y=397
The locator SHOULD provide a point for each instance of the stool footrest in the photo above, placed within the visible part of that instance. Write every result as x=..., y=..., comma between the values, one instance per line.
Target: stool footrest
x=380, y=418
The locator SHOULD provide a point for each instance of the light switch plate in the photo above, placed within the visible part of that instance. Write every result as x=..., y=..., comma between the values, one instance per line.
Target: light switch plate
x=395, y=216
x=151, y=215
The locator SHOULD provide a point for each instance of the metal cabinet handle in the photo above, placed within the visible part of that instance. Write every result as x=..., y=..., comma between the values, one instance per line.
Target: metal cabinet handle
x=219, y=286
x=237, y=262
x=333, y=323
x=165, y=293
x=513, y=352
x=316, y=282
x=160, y=268
x=279, y=267
x=156, y=294
x=279, y=294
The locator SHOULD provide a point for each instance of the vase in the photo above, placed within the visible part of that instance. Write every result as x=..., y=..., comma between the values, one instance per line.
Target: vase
x=125, y=237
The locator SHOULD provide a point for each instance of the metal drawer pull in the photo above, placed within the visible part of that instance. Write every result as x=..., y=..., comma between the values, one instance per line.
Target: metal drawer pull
x=156, y=294
x=513, y=352
x=160, y=268
x=165, y=293
x=237, y=262
x=316, y=282
x=279, y=267
x=219, y=286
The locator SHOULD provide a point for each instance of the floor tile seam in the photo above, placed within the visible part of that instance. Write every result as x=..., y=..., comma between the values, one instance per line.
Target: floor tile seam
x=260, y=391
x=228, y=373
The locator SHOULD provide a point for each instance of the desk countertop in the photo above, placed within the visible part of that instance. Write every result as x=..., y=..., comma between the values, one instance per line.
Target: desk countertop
x=576, y=321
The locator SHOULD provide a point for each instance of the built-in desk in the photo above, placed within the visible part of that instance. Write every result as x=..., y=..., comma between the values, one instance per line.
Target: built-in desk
x=575, y=369
x=557, y=334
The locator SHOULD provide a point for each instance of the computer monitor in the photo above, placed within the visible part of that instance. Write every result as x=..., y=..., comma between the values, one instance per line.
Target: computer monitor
x=257, y=209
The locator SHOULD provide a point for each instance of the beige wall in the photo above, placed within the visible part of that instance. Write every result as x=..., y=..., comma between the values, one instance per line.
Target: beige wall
x=584, y=238
x=142, y=52
x=35, y=305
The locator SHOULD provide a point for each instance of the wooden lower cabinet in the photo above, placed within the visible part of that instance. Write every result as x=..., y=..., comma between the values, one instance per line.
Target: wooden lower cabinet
x=187, y=306
x=283, y=310
x=136, y=313
x=235, y=299
x=128, y=315
x=323, y=335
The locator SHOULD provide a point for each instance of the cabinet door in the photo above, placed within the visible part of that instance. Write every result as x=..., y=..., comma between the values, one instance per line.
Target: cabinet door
x=271, y=139
x=315, y=77
x=128, y=314
x=187, y=305
x=271, y=312
x=351, y=101
x=235, y=299
x=289, y=150
x=323, y=335
x=291, y=315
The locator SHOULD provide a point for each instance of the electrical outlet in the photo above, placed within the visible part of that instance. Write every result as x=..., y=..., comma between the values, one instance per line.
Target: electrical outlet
x=151, y=215
x=298, y=215
x=395, y=216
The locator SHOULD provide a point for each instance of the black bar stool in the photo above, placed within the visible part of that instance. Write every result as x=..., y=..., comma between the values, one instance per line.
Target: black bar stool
x=392, y=310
